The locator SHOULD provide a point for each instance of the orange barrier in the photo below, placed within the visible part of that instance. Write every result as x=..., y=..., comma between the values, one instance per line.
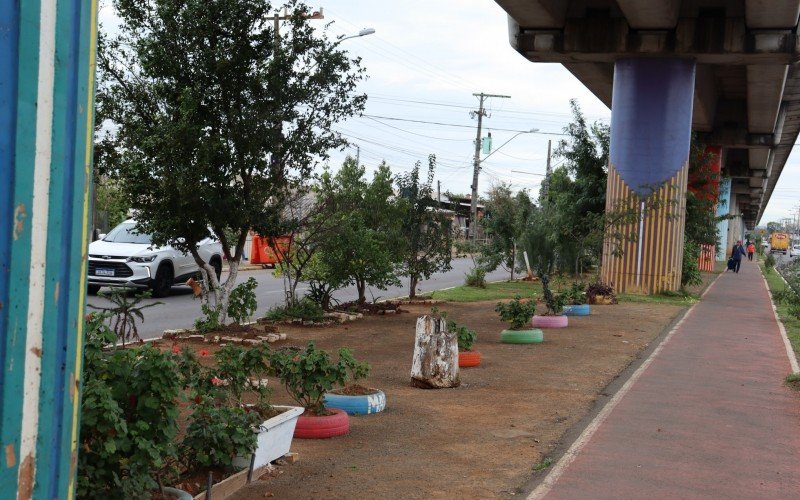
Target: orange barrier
x=262, y=250
x=707, y=256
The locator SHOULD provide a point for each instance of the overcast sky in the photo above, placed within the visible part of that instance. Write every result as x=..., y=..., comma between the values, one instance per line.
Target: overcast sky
x=425, y=61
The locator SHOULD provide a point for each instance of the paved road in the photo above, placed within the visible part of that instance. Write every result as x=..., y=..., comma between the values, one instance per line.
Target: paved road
x=180, y=309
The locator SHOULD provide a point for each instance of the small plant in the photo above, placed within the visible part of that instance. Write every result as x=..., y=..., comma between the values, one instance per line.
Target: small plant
x=466, y=337
x=304, y=309
x=244, y=370
x=242, y=302
x=476, y=278
x=575, y=294
x=600, y=288
x=793, y=380
x=216, y=434
x=517, y=312
x=769, y=263
x=124, y=313
x=309, y=373
x=210, y=322
x=547, y=462
x=553, y=301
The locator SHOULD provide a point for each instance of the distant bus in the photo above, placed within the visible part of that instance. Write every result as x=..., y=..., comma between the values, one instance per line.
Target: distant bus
x=779, y=242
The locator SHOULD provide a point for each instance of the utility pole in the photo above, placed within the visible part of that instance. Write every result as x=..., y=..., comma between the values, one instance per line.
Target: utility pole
x=358, y=155
x=473, y=212
x=546, y=183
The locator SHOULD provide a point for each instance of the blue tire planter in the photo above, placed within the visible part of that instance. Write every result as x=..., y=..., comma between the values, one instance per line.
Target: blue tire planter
x=578, y=310
x=357, y=405
x=535, y=336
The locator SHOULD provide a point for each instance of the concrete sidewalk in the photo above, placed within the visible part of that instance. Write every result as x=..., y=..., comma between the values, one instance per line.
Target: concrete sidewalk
x=706, y=416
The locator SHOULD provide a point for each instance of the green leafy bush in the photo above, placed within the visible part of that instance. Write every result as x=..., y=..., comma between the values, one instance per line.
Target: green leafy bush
x=575, y=294
x=309, y=373
x=124, y=313
x=476, y=277
x=553, y=301
x=216, y=433
x=516, y=312
x=769, y=263
x=305, y=309
x=210, y=322
x=466, y=337
x=242, y=302
x=690, y=271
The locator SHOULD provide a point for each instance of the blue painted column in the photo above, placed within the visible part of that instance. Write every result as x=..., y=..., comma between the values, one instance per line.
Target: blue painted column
x=651, y=120
x=723, y=208
x=47, y=51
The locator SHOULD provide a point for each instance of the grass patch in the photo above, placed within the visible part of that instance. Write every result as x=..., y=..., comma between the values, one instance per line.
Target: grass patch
x=675, y=298
x=493, y=291
x=547, y=462
x=792, y=324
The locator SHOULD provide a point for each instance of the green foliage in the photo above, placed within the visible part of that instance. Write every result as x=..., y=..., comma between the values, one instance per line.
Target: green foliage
x=769, y=263
x=476, y=277
x=507, y=216
x=110, y=202
x=242, y=304
x=124, y=313
x=367, y=218
x=575, y=294
x=516, y=312
x=210, y=321
x=217, y=120
x=554, y=302
x=690, y=271
x=493, y=291
x=305, y=309
x=309, y=373
x=129, y=412
x=466, y=337
x=216, y=434
x=426, y=239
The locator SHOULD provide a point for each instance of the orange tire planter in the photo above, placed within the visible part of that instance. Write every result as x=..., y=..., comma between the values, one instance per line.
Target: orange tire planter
x=468, y=359
x=321, y=427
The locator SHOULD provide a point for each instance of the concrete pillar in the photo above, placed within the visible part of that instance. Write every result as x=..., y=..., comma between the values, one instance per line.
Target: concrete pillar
x=651, y=119
x=724, y=247
x=47, y=63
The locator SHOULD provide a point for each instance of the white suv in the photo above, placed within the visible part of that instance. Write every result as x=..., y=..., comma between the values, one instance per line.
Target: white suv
x=126, y=258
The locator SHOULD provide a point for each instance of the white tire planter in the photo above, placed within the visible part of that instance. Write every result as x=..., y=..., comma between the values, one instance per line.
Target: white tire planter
x=550, y=321
x=274, y=437
x=357, y=405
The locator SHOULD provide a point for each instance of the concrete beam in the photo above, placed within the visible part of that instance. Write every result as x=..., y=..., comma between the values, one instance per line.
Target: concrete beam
x=772, y=14
x=764, y=90
x=598, y=78
x=758, y=157
x=652, y=14
x=705, y=99
x=547, y=14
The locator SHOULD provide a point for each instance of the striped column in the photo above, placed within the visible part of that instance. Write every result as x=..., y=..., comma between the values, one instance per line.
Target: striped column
x=47, y=62
x=647, y=174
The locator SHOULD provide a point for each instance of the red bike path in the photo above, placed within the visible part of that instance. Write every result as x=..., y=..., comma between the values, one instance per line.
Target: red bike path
x=708, y=415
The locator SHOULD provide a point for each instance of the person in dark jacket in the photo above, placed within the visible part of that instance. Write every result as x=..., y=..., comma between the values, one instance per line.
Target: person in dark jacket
x=737, y=254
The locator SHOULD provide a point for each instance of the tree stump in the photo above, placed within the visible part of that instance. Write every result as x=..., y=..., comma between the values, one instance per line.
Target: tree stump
x=435, y=362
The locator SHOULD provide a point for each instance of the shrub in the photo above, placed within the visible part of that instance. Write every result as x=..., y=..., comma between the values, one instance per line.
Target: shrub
x=600, y=288
x=309, y=373
x=305, y=309
x=124, y=313
x=575, y=294
x=210, y=322
x=769, y=263
x=466, y=337
x=242, y=302
x=516, y=312
x=690, y=273
x=216, y=433
x=476, y=277
x=553, y=301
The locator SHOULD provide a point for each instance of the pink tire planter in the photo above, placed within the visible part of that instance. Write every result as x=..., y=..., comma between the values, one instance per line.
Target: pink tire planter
x=321, y=427
x=550, y=321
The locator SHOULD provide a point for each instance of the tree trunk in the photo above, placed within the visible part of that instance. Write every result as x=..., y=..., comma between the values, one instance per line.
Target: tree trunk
x=361, y=285
x=435, y=362
x=412, y=287
x=513, y=260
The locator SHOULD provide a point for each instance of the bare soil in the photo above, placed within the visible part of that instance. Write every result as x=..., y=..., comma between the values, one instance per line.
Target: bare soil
x=481, y=440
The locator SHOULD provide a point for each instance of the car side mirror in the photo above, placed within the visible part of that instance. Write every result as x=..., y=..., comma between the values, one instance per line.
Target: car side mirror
x=101, y=236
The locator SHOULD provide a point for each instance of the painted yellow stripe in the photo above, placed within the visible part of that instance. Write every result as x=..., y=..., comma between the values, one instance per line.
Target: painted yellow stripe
x=87, y=170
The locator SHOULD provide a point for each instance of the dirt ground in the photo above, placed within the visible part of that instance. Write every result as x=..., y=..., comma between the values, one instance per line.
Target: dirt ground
x=480, y=440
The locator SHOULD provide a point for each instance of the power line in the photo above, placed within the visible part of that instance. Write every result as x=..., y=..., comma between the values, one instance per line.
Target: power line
x=414, y=133
x=455, y=125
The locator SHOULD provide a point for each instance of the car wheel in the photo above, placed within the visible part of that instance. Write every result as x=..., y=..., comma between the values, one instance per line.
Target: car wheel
x=93, y=289
x=162, y=283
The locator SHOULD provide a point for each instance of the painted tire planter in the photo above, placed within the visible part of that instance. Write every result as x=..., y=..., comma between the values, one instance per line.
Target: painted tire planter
x=468, y=359
x=550, y=321
x=321, y=427
x=357, y=405
x=274, y=437
x=177, y=494
x=535, y=336
x=578, y=310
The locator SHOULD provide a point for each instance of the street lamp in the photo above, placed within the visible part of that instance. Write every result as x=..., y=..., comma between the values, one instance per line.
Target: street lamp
x=531, y=131
x=364, y=32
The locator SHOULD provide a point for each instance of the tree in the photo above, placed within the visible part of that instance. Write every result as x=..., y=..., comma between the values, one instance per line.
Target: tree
x=426, y=230
x=507, y=216
x=367, y=218
x=218, y=118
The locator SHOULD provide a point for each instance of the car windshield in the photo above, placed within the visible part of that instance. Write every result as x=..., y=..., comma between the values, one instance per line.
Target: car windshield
x=126, y=233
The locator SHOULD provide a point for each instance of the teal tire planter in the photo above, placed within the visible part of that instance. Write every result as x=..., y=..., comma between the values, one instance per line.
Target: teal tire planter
x=357, y=405
x=578, y=310
x=534, y=336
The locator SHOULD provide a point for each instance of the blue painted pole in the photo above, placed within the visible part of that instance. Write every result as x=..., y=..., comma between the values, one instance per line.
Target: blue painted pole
x=47, y=60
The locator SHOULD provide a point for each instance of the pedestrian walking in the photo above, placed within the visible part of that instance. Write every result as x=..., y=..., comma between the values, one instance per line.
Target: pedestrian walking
x=751, y=249
x=737, y=254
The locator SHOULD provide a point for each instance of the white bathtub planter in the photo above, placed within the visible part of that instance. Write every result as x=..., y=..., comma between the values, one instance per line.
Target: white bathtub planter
x=274, y=437
x=361, y=404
